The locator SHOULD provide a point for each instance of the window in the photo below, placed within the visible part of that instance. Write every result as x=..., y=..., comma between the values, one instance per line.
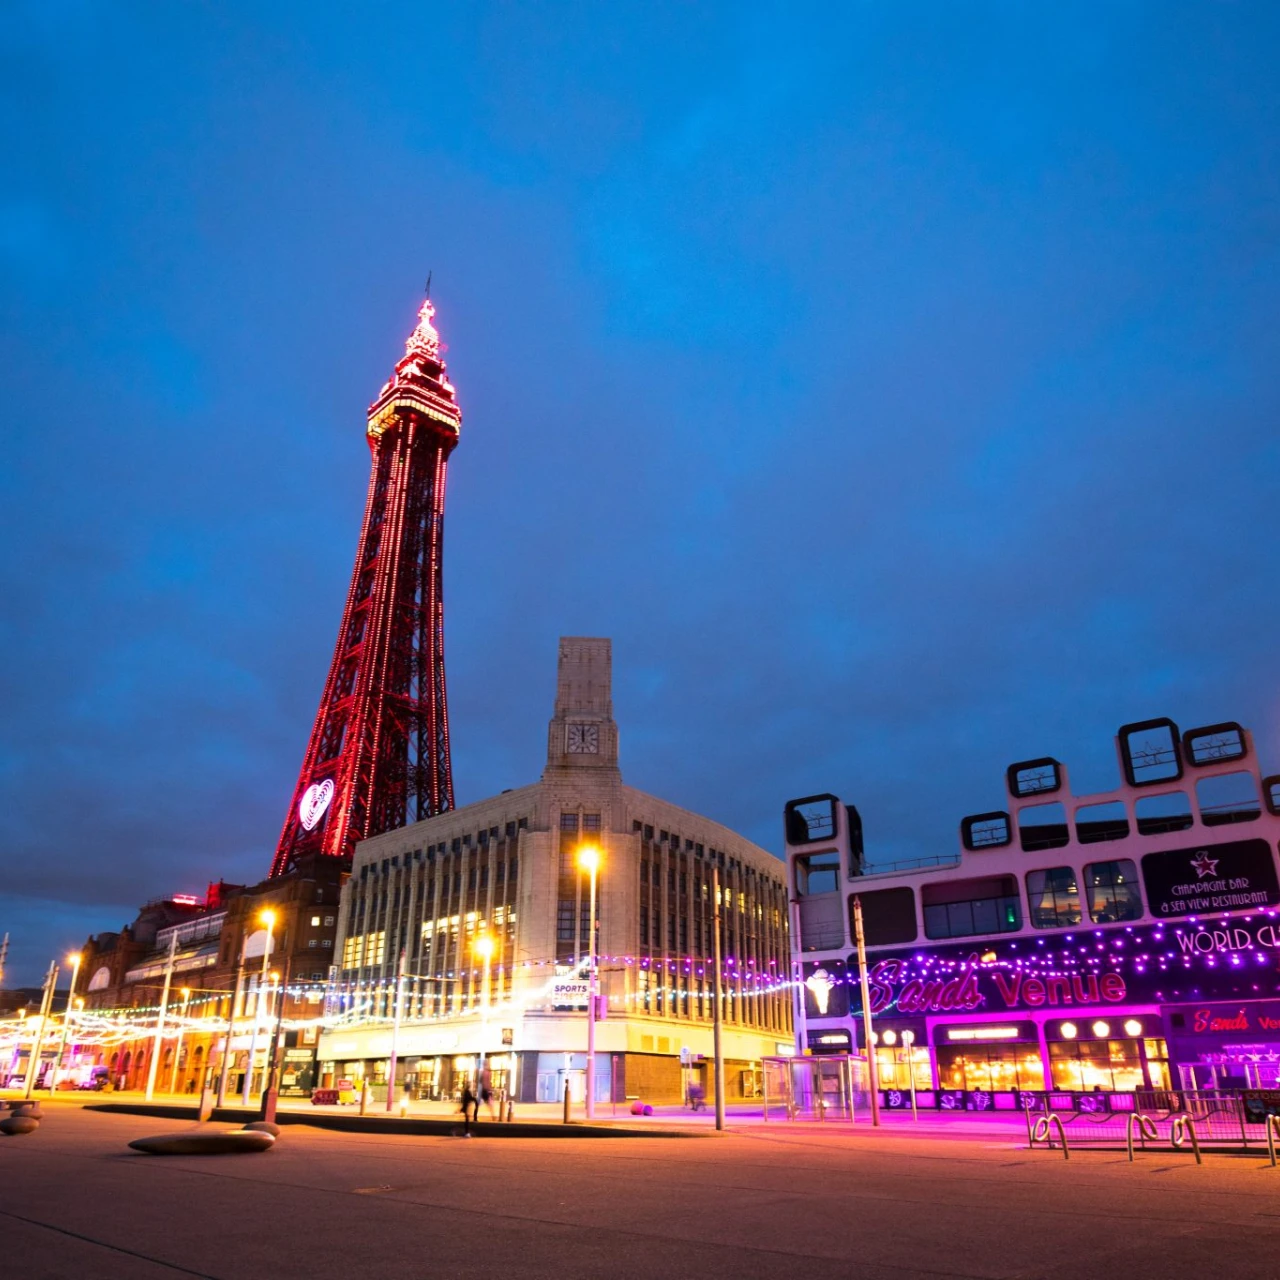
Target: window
x=315, y=922
x=511, y=830
x=564, y=921
x=888, y=916
x=817, y=873
x=1149, y=751
x=1087, y=1065
x=990, y=1067
x=591, y=822
x=1271, y=789
x=1159, y=815
x=1214, y=744
x=512, y=868
x=328, y=920
x=568, y=822
x=1112, y=889
x=1034, y=777
x=1096, y=823
x=813, y=818
x=1043, y=826
x=1053, y=897
x=311, y=942
x=963, y=908
x=985, y=831
x=648, y=832
x=644, y=928
x=1227, y=797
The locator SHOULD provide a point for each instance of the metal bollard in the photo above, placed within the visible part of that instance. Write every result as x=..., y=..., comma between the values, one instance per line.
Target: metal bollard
x=1146, y=1129
x=1182, y=1126
x=1273, y=1127
x=566, y=1102
x=1044, y=1128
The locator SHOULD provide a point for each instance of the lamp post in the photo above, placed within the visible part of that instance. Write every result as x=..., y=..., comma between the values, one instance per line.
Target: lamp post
x=164, y=1006
x=46, y=1003
x=231, y=1023
x=717, y=996
x=268, y=917
x=589, y=861
x=909, y=1040
x=270, y=1094
x=177, y=1048
x=395, y=1032
x=74, y=961
x=873, y=1084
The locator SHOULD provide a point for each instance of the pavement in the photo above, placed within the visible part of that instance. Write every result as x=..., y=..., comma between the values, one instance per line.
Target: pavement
x=771, y=1201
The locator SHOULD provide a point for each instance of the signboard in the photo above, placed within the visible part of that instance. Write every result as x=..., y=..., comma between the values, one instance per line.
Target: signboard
x=1207, y=878
x=1259, y=1104
x=826, y=993
x=570, y=993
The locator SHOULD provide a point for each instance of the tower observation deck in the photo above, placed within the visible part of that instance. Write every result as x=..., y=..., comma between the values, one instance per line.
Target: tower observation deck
x=378, y=756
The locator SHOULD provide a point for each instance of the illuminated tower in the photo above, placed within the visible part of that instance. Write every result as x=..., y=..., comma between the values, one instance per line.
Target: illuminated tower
x=379, y=751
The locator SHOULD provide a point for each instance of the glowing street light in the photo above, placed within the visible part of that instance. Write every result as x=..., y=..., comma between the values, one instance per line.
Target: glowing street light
x=268, y=917
x=73, y=960
x=589, y=861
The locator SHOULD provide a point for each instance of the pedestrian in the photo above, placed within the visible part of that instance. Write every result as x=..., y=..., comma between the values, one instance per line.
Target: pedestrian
x=486, y=1091
x=470, y=1105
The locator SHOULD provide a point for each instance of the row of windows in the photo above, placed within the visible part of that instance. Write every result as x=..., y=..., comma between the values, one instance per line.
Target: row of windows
x=1151, y=751
x=457, y=845
x=991, y=904
x=1221, y=799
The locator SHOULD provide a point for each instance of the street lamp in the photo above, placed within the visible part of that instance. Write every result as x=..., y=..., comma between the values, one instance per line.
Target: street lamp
x=74, y=961
x=268, y=917
x=589, y=861
x=909, y=1039
x=177, y=1048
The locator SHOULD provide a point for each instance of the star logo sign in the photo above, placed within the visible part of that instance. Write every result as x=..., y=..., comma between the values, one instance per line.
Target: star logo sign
x=1204, y=866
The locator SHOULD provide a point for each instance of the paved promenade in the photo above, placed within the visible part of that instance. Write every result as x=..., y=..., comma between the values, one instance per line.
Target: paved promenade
x=806, y=1201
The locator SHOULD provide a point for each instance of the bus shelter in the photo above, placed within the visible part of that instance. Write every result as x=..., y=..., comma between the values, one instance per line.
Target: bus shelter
x=830, y=1087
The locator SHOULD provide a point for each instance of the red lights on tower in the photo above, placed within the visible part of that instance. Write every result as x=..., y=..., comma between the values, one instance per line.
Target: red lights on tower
x=378, y=756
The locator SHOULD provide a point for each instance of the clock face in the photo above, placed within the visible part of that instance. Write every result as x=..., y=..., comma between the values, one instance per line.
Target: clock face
x=583, y=739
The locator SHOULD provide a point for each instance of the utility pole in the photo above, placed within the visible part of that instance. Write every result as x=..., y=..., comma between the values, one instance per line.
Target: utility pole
x=395, y=1033
x=231, y=1022
x=46, y=1004
x=272, y=1091
x=873, y=1084
x=718, y=1013
x=164, y=1005
x=4, y=955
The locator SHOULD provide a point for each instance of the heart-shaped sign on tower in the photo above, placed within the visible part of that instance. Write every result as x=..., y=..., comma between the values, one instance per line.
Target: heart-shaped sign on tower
x=315, y=800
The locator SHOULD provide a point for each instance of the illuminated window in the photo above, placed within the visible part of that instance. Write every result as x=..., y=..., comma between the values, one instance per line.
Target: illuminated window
x=315, y=922
x=1053, y=897
x=1112, y=889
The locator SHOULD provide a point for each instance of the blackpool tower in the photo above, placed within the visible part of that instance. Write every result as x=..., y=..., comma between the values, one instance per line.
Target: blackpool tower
x=378, y=756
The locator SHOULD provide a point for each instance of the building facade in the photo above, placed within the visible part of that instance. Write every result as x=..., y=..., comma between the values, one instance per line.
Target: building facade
x=1091, y=944
x=202, y=944
x=415, y=976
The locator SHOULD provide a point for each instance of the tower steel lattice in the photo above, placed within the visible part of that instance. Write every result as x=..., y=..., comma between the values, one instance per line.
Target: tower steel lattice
x=378, y=756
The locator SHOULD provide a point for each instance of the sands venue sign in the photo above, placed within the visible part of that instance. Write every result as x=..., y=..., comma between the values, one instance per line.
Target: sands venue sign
x=895, y=985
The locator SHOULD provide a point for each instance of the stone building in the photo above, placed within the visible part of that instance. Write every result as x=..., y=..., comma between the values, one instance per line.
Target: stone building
x=122, y=978
x=506, y=870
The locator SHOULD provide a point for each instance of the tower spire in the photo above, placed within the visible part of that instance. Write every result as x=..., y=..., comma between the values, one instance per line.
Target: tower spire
x=379, y=756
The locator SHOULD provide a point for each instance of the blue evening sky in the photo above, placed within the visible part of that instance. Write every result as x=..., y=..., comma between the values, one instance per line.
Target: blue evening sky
x=895, y=383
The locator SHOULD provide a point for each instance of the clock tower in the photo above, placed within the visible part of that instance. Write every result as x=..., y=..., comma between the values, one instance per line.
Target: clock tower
x=582, y=733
